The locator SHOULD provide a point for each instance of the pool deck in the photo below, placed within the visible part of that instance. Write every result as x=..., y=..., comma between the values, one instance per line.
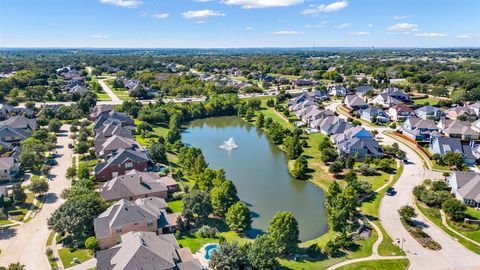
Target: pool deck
x=200, y=255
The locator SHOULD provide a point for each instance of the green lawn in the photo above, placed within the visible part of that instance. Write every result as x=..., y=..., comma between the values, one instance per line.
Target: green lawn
x=422, y=101
x=377, y=265
x=434, y=216
x=18, y=212
x=158, y=130
x=50, y=238
x=67, y=256
x=364, y=249
x=175, y=206
x=103, y=96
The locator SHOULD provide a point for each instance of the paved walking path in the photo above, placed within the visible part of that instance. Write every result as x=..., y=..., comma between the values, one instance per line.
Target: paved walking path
x=114, y=98
x=445, y=223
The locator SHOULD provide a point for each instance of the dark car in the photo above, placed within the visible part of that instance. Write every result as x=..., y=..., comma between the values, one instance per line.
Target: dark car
x=70, y=145
x=391, y=191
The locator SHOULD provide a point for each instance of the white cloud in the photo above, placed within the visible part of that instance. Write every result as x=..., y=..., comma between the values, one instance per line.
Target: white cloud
x=343, y=25
x=98, y=36
x=287, y=32
x=161, y=15
x=430, y=35
x=201, y=14
x=262, y=3
x=403, y=27
x=319, y=25
x=248, y=28
x=463, y=36
x=323, y=8
x=370, y=25
x=401, y=17
x=359, y=33
x=122, y=3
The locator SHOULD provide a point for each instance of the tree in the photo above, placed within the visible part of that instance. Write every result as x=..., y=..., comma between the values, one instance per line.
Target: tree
x=198, y=203
x=83, y=172
x=239, y=217
x=336, y=167
x=158, y=152
x=54, y=125
x=454, y=208
x=454, y=159
x=407, y=213
x=261, y=254
x=328, y=155
x=292, y=147
x=14, y=266
x=260, y=121
x=283, y=230
x=300, y=168
x=82, y=147
x=229, y=256
x=223, y=196
x=38, y=186
x=91, y=243
x=75, y=216
x=71, y=173
x=18, y=195
x=350, y=176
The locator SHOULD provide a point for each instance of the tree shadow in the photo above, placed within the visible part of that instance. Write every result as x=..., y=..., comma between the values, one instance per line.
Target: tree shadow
x=7, y=233
x=50, y=198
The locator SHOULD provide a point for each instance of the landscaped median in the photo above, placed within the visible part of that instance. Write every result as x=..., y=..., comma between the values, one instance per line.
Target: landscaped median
x=396, y=264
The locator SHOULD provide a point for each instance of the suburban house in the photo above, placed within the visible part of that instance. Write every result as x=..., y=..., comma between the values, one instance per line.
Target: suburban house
x=108, y=118
x=374, y=115
x=400, y=112
x=457, y=129
x=397, y=94
x=475, y=107
x=466, y=187
x=78, y=90
x=304, y=82
x=301, y=105
x=443, y=145
x=363, y=90
x=464, y=113
x=136, y=184
x=114, y=144
x=98, y=110
x=332, y=125
x=354, y=132
x=302, y=112
x=146, y=250
x=9, y=168
x=337, y=90
x=6, y=111
x=316, y=114
x=112, y=129
x=20, y=122
x=359, y=148
x=385, y=100
x=429, y=112
x=355, y=102
x=419, y=129
x=145, y=214
x=121, y=162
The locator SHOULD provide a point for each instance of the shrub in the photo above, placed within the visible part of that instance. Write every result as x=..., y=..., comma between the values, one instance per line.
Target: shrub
x=207, y=232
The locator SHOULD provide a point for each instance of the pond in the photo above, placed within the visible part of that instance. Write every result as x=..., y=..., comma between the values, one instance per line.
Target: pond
x=259, y=170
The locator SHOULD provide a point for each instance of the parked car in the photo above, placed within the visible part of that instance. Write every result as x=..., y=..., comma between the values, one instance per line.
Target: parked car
x=70, y=145
x=391, y=191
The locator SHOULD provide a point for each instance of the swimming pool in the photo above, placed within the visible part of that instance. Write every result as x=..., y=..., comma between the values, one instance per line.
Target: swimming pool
x=209, y=251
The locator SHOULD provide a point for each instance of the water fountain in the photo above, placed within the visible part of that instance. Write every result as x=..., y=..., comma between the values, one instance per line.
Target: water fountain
x=229, y=144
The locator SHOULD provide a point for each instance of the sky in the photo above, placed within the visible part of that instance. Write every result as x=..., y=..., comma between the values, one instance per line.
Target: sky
x=239, y=23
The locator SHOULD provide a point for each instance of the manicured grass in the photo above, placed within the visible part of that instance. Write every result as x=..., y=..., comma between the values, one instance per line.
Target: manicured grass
x=23, y=208
x=175, y=206
x=5, y=222
x=288, y=77
x=158, y=130
x=364, y=249
x=103, y=96
x=122, y=95
x=67, y=256
x=387, y=247
x=434, y=216
x=50, y=238
x=195, y=241
x=319, y=174
x=422, y=101
x=377, y=265
x=472, y=212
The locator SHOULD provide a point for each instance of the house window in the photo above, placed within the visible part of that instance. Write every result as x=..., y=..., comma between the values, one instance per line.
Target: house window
x=129, y=165
x=150, y=224
x=135, y=224
x=119, y=230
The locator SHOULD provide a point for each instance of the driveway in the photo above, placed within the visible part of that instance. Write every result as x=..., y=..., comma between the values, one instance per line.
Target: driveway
x=26, y=243
x=114, y=99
